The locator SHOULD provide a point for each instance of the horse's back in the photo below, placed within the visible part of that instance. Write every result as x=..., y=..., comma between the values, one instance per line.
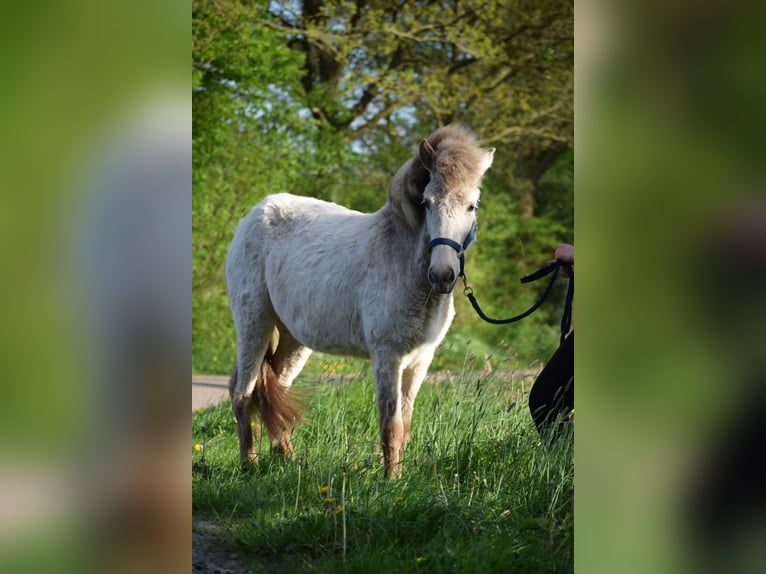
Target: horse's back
x=281, y=217
x=287, y=210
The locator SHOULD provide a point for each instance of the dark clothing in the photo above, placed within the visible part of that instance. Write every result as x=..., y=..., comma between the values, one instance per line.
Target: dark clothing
x=552, y=396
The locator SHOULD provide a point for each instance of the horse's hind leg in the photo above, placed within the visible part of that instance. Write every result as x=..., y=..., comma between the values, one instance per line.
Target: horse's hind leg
x=252, y=345
x=286, y=363
x=241, y=393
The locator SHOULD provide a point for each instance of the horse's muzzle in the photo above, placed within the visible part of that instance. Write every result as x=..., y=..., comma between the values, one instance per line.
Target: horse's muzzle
x=442, y=280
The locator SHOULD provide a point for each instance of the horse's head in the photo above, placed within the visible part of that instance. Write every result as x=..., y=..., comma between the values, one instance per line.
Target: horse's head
x=451, y=199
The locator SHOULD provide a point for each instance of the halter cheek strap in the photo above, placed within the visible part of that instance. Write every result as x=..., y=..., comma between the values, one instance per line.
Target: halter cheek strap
x=456, y=246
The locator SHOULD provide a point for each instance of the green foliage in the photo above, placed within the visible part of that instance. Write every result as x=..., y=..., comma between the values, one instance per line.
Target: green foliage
x=329, y=98
x=479, y=493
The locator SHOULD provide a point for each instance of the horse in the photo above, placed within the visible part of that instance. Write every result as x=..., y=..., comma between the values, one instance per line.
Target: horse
x=304, y=274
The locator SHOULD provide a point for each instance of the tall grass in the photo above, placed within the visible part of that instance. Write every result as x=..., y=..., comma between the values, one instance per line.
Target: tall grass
x=480, y=492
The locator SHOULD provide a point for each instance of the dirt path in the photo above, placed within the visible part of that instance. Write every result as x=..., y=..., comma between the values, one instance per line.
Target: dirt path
x=208, y=390
x=212, y=554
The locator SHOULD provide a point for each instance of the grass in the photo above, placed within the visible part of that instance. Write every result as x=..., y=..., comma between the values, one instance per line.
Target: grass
x=480, y=492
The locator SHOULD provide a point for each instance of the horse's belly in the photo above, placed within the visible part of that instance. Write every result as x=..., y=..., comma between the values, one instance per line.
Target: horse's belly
x=335, y=335
x=326, y=324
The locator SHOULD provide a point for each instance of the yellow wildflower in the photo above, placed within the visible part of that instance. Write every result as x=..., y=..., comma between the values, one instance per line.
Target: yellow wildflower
x=324, y=490
x=420, y=559
x=199, y=410
x=198, y=447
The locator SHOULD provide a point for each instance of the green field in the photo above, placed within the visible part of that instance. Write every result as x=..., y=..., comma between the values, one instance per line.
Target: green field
x=480, y=492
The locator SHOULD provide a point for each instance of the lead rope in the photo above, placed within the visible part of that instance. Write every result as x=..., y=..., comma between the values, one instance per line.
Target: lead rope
x=553, y=268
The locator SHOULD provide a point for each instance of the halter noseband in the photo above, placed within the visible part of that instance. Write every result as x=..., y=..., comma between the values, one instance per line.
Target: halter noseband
x=456, y=246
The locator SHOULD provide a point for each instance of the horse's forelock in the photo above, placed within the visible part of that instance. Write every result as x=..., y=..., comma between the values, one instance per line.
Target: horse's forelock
x=458, y=157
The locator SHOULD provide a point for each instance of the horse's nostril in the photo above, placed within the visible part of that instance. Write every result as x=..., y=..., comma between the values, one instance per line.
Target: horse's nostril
x=441, y=276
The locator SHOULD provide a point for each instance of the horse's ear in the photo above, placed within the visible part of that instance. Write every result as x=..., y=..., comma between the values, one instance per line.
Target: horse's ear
x=427, y=155
x=486, y=160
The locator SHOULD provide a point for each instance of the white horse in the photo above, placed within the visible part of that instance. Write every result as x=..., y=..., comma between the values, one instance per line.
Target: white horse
x=304, y=274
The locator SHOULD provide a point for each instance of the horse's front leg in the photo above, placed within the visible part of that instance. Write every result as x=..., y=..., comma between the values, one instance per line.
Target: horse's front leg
x=388, y=381
x=412, y=379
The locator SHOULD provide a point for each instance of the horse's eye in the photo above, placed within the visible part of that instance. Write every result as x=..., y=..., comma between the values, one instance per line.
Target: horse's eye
x=473, y=207
x=427, y=203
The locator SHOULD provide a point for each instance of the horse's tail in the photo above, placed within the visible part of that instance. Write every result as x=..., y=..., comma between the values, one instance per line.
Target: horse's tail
x=278, y=408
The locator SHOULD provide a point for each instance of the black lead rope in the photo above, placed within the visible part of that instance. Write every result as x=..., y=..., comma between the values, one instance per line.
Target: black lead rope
x=553, y=270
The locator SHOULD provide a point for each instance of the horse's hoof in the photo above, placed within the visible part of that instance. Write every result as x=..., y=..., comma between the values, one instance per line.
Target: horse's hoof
x=283, y=448
x=394, y=471
x=249, y=462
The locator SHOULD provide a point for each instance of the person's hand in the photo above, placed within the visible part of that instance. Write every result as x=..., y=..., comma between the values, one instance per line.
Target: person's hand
x=565, y=254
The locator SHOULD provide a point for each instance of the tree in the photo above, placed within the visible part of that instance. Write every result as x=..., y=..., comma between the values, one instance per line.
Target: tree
x=246, y=142
x=505, y=68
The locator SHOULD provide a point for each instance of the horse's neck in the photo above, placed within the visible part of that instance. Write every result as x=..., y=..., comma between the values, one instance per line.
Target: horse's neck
x=409, y=248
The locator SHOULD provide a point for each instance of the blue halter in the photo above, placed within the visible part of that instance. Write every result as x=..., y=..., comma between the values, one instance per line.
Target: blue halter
x=456, y=246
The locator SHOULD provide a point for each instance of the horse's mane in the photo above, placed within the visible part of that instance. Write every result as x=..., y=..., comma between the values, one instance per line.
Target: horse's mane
x=457, y=159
